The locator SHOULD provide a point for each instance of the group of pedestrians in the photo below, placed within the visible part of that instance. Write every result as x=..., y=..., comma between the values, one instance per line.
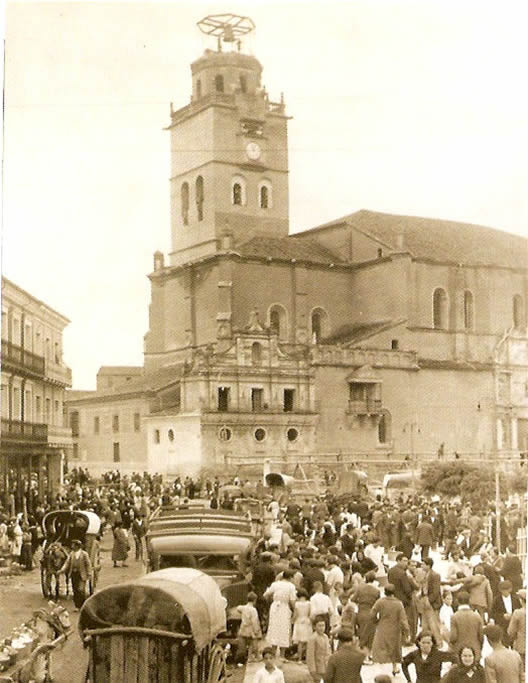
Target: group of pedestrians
x=360, y=579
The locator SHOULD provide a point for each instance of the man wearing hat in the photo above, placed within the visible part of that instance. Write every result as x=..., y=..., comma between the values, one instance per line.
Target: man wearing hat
x=344, y=666
x=503, y=608
x=517, y=626
x=78, y=568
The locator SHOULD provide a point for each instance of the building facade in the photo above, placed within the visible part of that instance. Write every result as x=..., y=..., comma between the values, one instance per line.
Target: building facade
x=374, y=336
x=35, y=438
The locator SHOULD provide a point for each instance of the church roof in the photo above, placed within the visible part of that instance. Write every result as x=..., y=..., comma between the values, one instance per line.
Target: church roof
x=437, y=239
x=286, y=248
x=153, y=381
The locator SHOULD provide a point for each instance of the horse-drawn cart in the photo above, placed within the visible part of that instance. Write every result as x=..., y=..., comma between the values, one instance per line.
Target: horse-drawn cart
x=164, y=626
x=61, y=528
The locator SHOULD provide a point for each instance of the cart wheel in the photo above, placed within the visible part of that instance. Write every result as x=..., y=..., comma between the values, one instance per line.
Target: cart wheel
x=217, y=665
x=45, y=583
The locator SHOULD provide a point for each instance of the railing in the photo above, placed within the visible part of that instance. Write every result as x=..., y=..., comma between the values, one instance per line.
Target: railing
x=367, y=407
x=22, y=358
x=18, y=430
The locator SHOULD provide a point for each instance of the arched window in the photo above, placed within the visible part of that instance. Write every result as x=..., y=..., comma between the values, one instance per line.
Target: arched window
x=278, y=321
x=243, y=83
x=238, y=191
x=199, y=197
x=440, y=309
x=319, y=325
x=256, y=353
x=185, y=203
x=518, y=311
x=265, y=197
x=198, y=89
x=468, y=310
x=219, y=83
x=237, y=194
x=385, y=428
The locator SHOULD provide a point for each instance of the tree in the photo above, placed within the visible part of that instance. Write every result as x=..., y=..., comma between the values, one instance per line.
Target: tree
x=472, y=483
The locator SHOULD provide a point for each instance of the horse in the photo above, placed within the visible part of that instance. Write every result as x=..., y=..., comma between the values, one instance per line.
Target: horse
x=53, y=559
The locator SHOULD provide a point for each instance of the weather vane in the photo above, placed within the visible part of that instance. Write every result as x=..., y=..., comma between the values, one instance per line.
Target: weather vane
x=226, y=27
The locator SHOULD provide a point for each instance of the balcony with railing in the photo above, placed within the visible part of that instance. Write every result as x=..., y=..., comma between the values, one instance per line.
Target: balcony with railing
x=25, y=432
x=21, y=360
x=369, y=406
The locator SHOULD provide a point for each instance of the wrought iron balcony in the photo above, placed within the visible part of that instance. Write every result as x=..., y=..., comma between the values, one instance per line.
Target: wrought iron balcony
x=21, y=360
x=27, y=432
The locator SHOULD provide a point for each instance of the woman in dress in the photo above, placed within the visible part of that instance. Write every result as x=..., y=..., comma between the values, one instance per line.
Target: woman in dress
x=365, y=596
x=121, y=545
x=392, y=629
x=427, y=659
x=467, y=671
x=16, y=540
x=283, y=596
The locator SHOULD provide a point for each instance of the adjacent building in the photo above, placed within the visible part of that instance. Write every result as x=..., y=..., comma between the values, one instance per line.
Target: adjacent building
x=373, y=336
x=35, y=440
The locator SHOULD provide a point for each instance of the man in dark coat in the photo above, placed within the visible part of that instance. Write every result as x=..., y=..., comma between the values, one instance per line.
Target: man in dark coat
x=424, y=536
x=403, y=586
x=503, y=607
x=344, y=666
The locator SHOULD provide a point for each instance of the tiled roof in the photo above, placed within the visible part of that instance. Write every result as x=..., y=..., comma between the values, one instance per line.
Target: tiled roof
x=154, y=381
x=439, y=240
x=287, y=248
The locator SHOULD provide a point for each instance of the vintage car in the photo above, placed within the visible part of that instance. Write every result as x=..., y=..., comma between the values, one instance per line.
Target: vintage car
x=164, y=626
x=217, y=542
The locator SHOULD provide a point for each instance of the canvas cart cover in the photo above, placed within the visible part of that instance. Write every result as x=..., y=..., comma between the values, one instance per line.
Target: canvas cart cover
x=67, y=525
x=176, y=600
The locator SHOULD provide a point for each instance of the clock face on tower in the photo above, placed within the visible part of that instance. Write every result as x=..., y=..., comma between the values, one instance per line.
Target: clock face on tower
x=253, y=151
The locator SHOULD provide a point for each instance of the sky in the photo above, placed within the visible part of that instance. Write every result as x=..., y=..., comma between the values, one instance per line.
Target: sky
x=415, y=108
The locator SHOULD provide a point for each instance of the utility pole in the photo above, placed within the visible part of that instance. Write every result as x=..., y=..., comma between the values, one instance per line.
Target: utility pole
x=497, y=510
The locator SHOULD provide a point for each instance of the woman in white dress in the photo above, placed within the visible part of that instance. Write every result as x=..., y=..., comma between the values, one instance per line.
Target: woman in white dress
x=283, y=595
x=16, y=542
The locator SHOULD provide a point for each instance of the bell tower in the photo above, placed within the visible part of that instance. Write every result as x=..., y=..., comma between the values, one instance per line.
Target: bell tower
x=229, y=150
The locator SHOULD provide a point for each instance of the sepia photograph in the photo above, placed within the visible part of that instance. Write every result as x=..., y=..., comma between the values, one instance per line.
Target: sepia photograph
x=264, y=342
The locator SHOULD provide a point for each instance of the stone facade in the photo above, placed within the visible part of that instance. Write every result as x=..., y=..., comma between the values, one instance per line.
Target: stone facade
x=371, y=337
x=35, y=436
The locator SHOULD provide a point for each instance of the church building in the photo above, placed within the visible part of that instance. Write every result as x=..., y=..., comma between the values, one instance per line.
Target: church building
x=372, y=336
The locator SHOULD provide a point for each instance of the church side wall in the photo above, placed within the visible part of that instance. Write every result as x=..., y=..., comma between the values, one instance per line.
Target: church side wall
x=380, y=291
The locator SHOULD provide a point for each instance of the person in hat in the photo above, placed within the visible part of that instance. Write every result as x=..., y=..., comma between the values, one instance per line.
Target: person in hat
x=78, y=568
x=344, y=666
x=517, y=627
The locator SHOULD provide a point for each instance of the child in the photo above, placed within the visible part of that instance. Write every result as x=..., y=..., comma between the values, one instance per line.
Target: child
x=320, y=604
x=302, y=626
x=249, y=632
x=318, y=651
x=348, y=615
x=269, y=672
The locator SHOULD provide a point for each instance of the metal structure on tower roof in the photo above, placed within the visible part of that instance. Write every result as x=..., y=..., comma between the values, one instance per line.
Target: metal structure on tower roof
x=226, y=27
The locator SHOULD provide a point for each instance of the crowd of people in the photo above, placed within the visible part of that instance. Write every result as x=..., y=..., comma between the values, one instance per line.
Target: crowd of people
x=363, y=575
x=357, y=572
